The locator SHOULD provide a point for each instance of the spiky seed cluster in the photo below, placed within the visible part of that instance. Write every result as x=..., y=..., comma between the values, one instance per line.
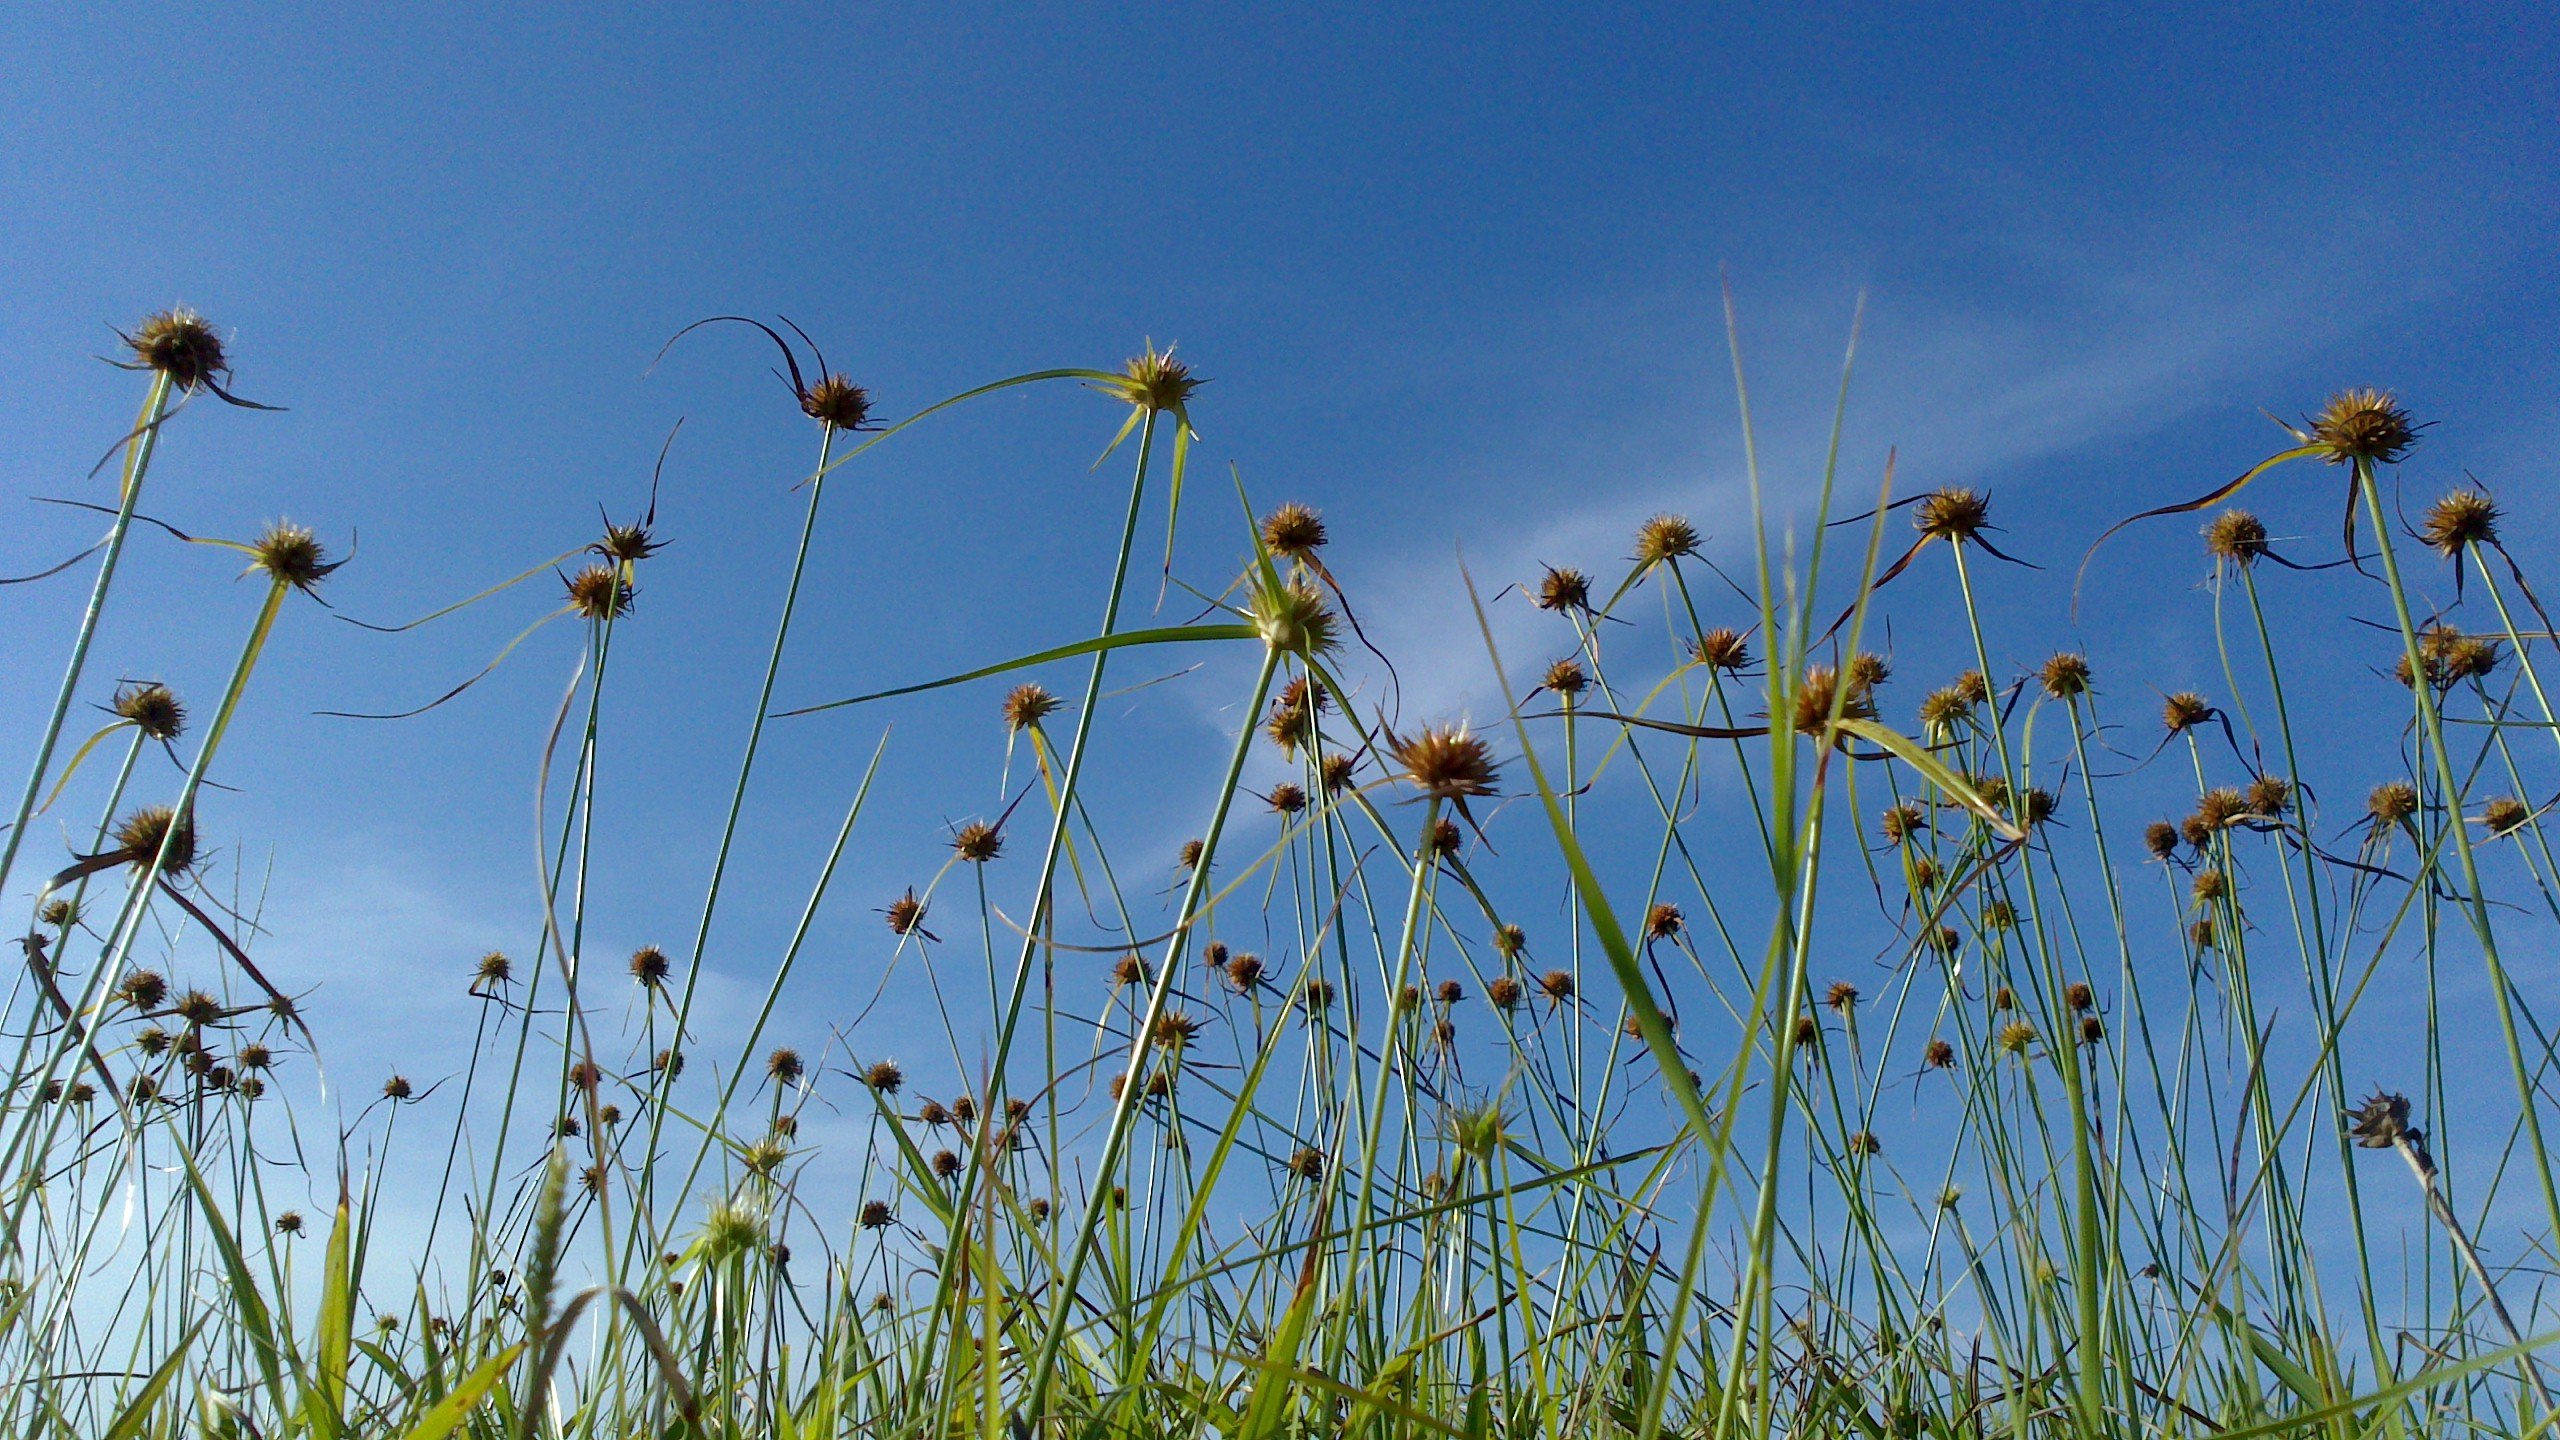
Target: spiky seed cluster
x=599, y=592
x=1502, y=992
x=1556, y=985
x=1842, y=996
x=1028, y=705
x=1900, y=822
x=1129, y=970
x=2202, y=934
x=1449, y=992
x=151, y=709
x=1864, y=1142
x=2505, y=815
x=1867, y=670
x=1938, y=1055
x=1821, y=692
x=1723, y=648
x=2004, y=998
x=977, y=842
x=1808, y=1035
x=2092, y=1029
x=1244, y=973
x=2184, y=711
x=2016, y=1036
x=140, y=838
x=1293, y=532
x=144, y=989
x=764, y=1157
x=1566, y=678
x=905, y=913
x=1294, y=619
x=1188, y=856
x=785, y=1066
x=2449, y=657
x=2210, y=885
x=290, y=554
x=946, y=1164
x=397, y=1088
x=1294, y=713
x=669, y=1063
x=2160, y=838
x=1316, y=995
x=884, y=1076
x=1175, y=1029
x=1952, y=514
x=628, y=544
x=2392, y=802
x=1564, y=589
x=2236, y=536
x=1155, y=381
x=839, y=402
x=2065, y=675
x=2268, y=795
x=1444, y=839
x=964, y=1109
x=649, y=966
x=1665, y=537
x=2382, y=1122
x=2459, y=521
x=2037, y=805
x=1942, y=711
x=586, y=1075
x=1509, y=941
x=1447, y=763
x=2363, y=425
x=1663, y=920
x=179, y=344
x=875, y=1215
x=1307, y=1163
x=2079, y=996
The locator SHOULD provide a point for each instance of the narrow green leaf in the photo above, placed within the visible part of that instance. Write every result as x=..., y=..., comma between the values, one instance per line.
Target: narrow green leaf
x=1165, y=635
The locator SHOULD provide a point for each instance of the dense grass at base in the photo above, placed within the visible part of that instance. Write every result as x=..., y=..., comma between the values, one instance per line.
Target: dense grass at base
x=1723, y=1032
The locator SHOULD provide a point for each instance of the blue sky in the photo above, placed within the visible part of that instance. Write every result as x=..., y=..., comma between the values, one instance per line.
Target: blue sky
x=1454, y=273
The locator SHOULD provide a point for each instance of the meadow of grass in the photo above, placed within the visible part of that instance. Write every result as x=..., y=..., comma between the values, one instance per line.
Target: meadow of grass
x=1721, y=1035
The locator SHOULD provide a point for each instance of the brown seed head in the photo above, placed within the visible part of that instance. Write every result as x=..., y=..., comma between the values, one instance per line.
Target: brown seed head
x=1502, y=992
x=1723, y=648
x=1187, y=856
x=1664, y=537
x=1564, y=589
x=1307, y=1163
x=1662, y=921
x=1941, y=711
x=1129, y=970
x=1293, y=618
x=1155, y=381
x=1028, y=705
x=291, y=555
x=1952, y=514
x=2236, y=536
x=1509, y=940
x=144, y=832
x=2092, y=1029
x=1556, y=985
x=586, y=1075
x=1244, y=973
x=2160, y=838
x=2459, y=521
x=2382, y=1122
x=977, y=842
x=494, y=969
x=2016, y=1036
x=2211, y=885
x=1864, y=1142
x=1293, y=532
x=1808, y=1032
x=1337, y=773
x=599, y=593
x=152, y=709
x=1447, y=763
x=179, y=344
x=144, y=989
x=1449, y=992
x=1287, y=798
x=628, y=544
x=945, y=1164
x=905, y=913
x=649, y=966
x=839, y=402
x=1900, y=822
x=1175, y=1029
x=2202, y=934
x=964, y=1109
x=1316, y=995
x=2268, y=795
x=2079, y=996
x=669, y=1062
x=1842, y=996
x=1938, y=1055
x=2505, y=815
x=1820, y=692
x=2065, y=675
x=884, y=1076
x=1565, y=678
x=785, y=1066
x=396, y=1088
x=2184, y=711
x=2392, y=802
x=2363, y=425
x=1444, y=839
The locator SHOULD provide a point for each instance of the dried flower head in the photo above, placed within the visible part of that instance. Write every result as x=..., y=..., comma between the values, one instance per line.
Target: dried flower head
x=1509, y=941
x=884, y=1076
x=1723, y=648
x=290, y=554
x=2382, y=1122
x=151, y=709
x=1447, y=763
x=2202, y=934
x=1924, y=871
x=1565, y=678
x=964, y=1109
x=669, y=1063
x=1287, y=798
x=906, y=913
x=1293, y=532
x=1307, y=1163
x=1842, y=996
x=2364, y=425
x=1449, y=992
x=1187, y=855
x=839, y=402
x=875, y=1215
x=649, y=966
x=946, y=1164
x=1337, y=773
x=1900, y=822
x=2392, y=802
x=1808, y=1032
x=179, y=344
x=1999, y=915
x=2505, y=815
x=1444, y=839
x=494, y=969
x=2236, y=536
x=1028, y=705
x=396, y=1088
x=1293, y=618
x=1662, y=920
x=144, y=989
x=1244, y=972
x=2004, y=998
x=2160, y=838
x=1502, y=992
x=627, y=544
x=1129, y=969
x=1316, y=995
x=2016, y=1036
x=1941, y=711
x=586, y=1075
x=2211, y=885
x=2065, y=675
x=1938, y=1055
x=146, y=832
x=977, y=842
x=600, y=593
x=2184, y=711
x=2460, y=520
x=2079, y=996
x=785, y=1066
x=1864, y=1142
x=1154, y=381
x=1665, y=537
x=2092, y=1029
x=1175, y=1029
x=1821, y=693
x=1563, y=589
x=1952, y=514
x=289, y=1223
x=1556, y=985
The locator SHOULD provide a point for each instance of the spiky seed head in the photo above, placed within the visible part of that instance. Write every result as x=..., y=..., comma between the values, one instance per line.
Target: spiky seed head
x=1129, y=970
x=1938, y=1055
x=2160, y=838
x=732, y=1229
x=1842, y=996
x=2459, y=521
x=82, y=1092
x=144, y=832
x=1952, y=514
x=1293, y=618
x=764, y=1157
x=599, y=592
x=1316, y=995
x=60, y=912
x=964, y=1109
x=1444, y=1032
x=1449, y=992
x=2079, y=996
x=612, y=1114
x=1662, y=920
x=2210, y=885
x=566, y=1127
x=2236, y=536
x=884, y=1076
x=1175, y=1029
x=1723, y=648
x=2392, y=802
x=2065, y=675
x=649, y=966
x=1187, y=857
x=494, y=968
x=2202, y=934
x=1556, y=985
x=1028, y=705
x=1665, y=537
x=946, y=1164
x=839, y=402
x=289, y=1223
x=1566, y=678
x=1900, y=822
x=2184, y=711
x=1155, y=381
x=1293, y=532
x=1214, y=955
x=1808, y=1032
x=1867, y=670
x=2004, y=998
x=785, y=1066
x=1924, y=872
x=144, y=1088
x=1287, y=798
x=1307, y=1163
x=1447, y=763
x=1562, y=589
x=905, y=913
x=1941, y=711
x=2382, y=1122
x=977, y=842
x=1039, y=1208
x=2037, y=805
x=144, y=989
x=1244, y=973
x=179, y=344
x=397, y=1088
x=2505, y=815
x=290, y=554
x=1509, y=941
x=151, y=1040
x=875, y=1215
x=1943, y=939
x=586, y=1075
x=1502, y=992
x=1999, y=915
x=2092, y=1029
x=1444, y=839
x=2363, y=425
x=1820, y=693
x=1864, y=1142
x=1337, y=774
x=151, y=709
x=628, y=544
x=2016, y=1036
x=2218, y=807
